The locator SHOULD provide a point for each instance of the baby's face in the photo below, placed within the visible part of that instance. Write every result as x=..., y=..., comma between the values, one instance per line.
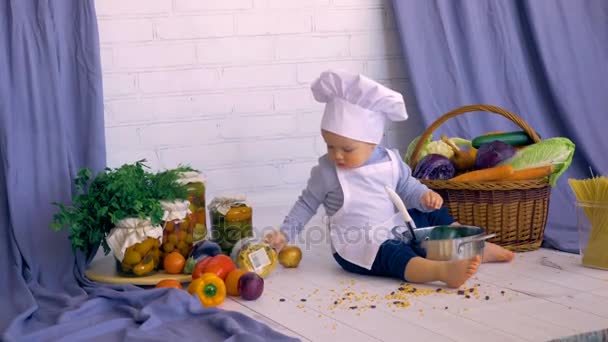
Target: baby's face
x=345, y=152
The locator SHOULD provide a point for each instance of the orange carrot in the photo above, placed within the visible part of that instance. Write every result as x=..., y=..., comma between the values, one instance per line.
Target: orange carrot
x=492, y=173
x=531, y=173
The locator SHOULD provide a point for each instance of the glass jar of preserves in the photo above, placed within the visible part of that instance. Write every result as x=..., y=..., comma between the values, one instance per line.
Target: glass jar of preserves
x=197, y=218
x=253, y=255
x=231, y=221
x=135, y=244
x=177, y=233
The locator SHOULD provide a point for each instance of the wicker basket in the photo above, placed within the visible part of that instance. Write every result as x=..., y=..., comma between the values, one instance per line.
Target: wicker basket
x=515, y=210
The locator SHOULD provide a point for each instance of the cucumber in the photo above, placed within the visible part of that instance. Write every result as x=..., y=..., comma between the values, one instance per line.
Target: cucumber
x=518, y=138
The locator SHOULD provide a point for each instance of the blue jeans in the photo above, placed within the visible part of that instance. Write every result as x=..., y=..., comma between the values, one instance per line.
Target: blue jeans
x=391, y=260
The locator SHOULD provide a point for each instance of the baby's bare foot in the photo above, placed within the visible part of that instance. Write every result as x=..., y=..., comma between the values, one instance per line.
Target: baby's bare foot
x=495, y=253
x=459, y=271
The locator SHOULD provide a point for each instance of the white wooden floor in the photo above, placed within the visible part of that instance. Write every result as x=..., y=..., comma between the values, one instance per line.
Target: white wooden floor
x=540, y=296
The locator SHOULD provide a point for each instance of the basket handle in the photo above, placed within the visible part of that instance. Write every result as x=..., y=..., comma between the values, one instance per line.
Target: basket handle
x=471, y=108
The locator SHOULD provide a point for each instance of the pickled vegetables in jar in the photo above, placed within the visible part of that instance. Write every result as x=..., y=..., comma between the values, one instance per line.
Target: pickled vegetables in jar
x=177, y=232
x=135, y=244
x=197, y=218
x=231, y=221
x=142, y=258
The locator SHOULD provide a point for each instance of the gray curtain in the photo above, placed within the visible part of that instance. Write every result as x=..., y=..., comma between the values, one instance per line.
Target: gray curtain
x=546, y=61
x=51, y=124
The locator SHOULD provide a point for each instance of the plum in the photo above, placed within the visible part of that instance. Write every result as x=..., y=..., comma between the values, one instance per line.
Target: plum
x=251, y=286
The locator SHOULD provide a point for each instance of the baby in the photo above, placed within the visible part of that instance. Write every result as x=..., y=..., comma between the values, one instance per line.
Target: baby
x=349, y=181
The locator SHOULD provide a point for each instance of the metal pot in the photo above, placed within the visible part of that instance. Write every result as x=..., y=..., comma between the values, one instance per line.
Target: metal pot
x=447, y=242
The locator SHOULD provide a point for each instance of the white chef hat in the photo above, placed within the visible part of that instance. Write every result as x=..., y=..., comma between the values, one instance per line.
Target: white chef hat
x=356, y=107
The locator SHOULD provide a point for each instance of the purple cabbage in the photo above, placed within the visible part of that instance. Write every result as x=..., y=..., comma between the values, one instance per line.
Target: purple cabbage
x=493, y=153
x=434, y=166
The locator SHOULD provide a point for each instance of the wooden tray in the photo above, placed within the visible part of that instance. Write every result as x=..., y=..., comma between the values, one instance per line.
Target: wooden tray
x=103, y=270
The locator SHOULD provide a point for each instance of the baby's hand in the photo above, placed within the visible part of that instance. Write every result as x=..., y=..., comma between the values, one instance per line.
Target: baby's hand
x=431, y=200
x=276, y=239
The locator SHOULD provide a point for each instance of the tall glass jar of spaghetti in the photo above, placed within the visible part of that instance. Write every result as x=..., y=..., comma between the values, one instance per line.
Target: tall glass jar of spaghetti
x=231, y=221
x=197, y=219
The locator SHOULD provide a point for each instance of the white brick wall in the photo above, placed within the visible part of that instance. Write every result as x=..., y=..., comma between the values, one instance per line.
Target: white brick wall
x=224, y=85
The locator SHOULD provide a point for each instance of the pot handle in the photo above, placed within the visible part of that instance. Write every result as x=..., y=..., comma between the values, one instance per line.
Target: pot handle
x=481, y=238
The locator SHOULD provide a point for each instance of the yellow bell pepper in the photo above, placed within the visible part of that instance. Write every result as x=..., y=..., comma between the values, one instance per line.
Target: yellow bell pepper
x=209, y=288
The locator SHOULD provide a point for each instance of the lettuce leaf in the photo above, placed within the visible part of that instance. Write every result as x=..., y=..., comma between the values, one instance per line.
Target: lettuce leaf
x=412, y=146
x=553, y=151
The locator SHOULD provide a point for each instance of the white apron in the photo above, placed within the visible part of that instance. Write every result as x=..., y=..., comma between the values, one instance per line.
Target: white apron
x=367, y=216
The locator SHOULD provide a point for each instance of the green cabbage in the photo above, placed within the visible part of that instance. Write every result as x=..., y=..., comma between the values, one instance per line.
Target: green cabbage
x=554, y=151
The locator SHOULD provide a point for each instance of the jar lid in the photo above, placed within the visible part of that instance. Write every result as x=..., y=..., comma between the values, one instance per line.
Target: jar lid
x=224, y=203
x=240, y=245
x=191, y=177
x=130, y=231
x=175, y=210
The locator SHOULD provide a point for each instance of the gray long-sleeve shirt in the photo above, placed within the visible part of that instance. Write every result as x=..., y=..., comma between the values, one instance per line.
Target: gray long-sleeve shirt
x=324, y=188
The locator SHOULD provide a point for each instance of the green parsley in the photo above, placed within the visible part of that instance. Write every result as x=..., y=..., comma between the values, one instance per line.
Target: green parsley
x=114, y=194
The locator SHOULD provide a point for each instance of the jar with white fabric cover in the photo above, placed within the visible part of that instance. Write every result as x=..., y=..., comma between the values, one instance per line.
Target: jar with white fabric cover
x=177, y=233
x=135, y=244
x=231, y=221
